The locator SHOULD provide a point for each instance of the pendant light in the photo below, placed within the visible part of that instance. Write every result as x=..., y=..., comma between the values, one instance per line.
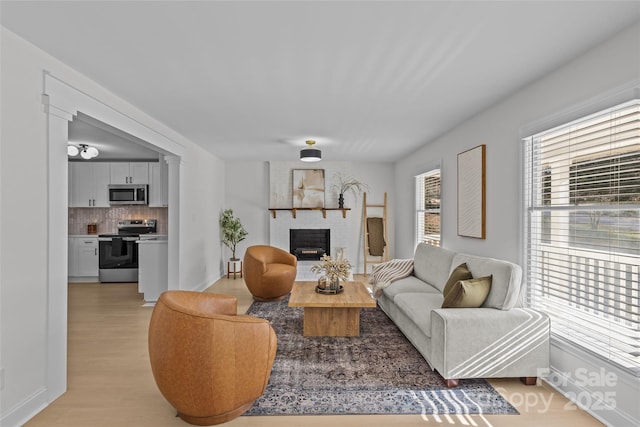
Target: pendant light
x=310, y=154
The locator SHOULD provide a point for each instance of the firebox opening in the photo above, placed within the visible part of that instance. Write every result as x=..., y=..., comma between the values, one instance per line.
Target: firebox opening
x=309, y=244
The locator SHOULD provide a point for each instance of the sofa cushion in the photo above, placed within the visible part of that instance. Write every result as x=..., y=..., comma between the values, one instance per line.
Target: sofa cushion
x=468, y=293
x=506, y=283
x=417, y=306
x=461, y=272
x=432, y=264
x=408, y=284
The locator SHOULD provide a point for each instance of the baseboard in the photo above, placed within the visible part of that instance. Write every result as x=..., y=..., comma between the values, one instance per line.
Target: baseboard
x=575, y=374
x=206, y=283
x=25, y=410
x=83, y=279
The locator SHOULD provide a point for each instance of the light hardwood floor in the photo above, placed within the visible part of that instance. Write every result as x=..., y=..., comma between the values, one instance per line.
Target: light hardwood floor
x=110, y=382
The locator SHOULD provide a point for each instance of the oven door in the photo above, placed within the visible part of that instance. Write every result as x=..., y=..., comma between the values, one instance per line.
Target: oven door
x=113, y=256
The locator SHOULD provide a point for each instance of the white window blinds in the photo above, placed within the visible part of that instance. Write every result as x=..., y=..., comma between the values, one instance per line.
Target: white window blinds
x=428, y=207
x=582, y=205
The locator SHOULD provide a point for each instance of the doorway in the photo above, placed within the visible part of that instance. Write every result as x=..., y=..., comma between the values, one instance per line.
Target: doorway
x=62, y=102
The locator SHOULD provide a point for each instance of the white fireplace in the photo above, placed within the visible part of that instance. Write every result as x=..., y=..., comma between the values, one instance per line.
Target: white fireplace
x=279, y=232
x=341, y=225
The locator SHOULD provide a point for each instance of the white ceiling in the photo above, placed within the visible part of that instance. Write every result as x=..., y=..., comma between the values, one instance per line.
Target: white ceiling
x=112, y=143
x=371, y=81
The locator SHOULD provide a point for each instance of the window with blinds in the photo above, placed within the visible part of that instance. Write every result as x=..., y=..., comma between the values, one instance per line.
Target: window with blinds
x=428, y=207
x=582, y=205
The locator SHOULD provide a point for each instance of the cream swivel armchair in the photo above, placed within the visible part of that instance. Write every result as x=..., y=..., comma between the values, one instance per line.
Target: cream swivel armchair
x=269, y=272
x=208, y=362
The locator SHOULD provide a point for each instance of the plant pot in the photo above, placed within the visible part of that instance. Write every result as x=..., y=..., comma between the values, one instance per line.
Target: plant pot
x=235, y=265
x=341, y=201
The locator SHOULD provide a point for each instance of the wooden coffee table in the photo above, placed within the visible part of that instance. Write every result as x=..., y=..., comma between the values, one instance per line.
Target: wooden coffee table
x=331, y=315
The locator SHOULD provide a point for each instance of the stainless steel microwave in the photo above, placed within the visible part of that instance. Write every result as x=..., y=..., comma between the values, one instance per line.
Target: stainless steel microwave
x=128, y=194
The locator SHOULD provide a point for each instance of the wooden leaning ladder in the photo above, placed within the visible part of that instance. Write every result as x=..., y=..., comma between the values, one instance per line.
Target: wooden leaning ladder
x=368, y=258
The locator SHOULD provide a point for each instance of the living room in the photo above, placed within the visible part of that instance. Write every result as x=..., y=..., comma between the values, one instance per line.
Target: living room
x=582, y=83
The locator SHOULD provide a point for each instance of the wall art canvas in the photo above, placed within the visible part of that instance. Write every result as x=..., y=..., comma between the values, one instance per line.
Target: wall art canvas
x=471, y=192
x=308, y=188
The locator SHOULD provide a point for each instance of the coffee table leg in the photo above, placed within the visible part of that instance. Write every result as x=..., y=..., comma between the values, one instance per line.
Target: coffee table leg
x=331, y=321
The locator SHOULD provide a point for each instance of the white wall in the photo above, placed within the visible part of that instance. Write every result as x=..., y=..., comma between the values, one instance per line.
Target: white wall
x=597, y=73
x=24, y=209
x=202, y=198
x=251, y=192
x=247, y=194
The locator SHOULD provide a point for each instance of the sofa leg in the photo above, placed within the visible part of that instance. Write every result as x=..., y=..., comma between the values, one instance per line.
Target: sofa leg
x=529, y=380
x=451, y=383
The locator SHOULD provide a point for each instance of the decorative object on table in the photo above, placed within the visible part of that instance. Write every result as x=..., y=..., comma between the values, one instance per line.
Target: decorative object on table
x=232, y=233
x=471, y=192
x=332, y=272
x=308, y=188
x=347, y=183
x=323, y=283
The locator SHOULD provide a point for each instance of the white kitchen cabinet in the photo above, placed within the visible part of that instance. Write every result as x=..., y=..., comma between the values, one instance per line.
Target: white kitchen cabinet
x=130, y=173
x=83, y=257
x=158, y=184
x=88, y=257
x=89, y=183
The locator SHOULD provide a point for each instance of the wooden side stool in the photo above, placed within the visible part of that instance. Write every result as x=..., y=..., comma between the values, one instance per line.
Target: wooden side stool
x=232, y=268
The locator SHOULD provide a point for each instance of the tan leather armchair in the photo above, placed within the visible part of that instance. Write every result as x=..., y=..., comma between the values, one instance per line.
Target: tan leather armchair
x=269, y=272
x=208, y=362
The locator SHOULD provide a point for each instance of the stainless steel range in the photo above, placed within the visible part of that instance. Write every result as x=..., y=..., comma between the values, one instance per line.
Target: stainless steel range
x=118, y=253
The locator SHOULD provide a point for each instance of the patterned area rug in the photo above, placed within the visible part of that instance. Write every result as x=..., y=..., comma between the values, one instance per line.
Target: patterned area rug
x=379, y=372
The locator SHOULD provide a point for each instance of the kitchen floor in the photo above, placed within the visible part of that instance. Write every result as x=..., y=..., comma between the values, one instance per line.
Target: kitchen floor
x=110, y=381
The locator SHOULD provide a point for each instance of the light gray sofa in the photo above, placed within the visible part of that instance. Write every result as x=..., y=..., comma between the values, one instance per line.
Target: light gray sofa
x=499, y=339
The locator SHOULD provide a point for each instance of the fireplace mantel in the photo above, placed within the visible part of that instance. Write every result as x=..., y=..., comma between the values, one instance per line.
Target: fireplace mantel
x=323, y=210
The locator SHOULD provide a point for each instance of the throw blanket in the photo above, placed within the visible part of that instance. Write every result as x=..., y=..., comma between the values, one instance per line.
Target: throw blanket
x=388, y=272
x=376, y=236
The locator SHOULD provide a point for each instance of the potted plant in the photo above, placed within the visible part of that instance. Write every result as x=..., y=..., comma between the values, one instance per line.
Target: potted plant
x=232, y=233
x=333, y=271
x=347, y=183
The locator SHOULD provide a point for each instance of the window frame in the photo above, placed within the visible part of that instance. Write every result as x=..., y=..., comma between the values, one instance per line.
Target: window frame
x=418, y=193
x=537, y=196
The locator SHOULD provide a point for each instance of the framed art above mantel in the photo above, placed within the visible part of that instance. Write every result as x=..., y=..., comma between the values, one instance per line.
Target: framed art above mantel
x=308, y=188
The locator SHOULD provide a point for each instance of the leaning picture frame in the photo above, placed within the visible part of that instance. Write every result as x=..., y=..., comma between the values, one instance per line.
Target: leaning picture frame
x=471, y=193
x=308, y=188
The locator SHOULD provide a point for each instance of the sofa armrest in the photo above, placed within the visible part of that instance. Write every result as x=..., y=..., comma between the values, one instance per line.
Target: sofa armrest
x=485, y=342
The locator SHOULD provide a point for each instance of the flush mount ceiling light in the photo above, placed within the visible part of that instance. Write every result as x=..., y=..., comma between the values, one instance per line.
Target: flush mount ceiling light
x=310, y=154
x=85, y=150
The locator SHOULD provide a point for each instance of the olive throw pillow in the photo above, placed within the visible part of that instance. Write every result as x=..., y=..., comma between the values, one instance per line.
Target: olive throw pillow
x=468, y=293
x=461, y=272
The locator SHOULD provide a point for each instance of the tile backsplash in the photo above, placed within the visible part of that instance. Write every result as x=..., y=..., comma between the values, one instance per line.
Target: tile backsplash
x=107, y=218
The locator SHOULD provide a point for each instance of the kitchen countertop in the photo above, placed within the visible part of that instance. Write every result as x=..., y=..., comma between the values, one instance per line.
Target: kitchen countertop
x=153, y=240
x=152, y=235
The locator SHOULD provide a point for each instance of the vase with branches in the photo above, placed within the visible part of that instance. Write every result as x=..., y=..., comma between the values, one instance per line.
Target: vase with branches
x=232, y=231
x=333, y=270
x=347, y=183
